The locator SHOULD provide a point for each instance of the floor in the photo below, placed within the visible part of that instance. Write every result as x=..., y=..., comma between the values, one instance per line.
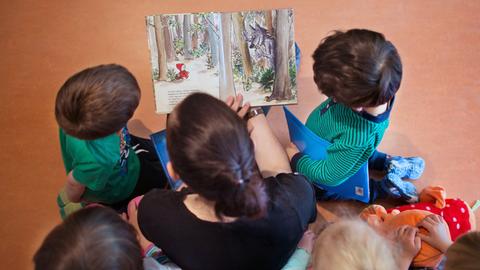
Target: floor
x=43, y=42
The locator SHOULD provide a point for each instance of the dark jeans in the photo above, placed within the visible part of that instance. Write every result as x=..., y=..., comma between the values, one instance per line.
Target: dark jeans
x=151, y=172
x=378, y=161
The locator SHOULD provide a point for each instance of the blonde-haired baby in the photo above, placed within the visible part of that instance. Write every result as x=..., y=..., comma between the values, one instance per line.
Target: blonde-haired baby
x=351, y=244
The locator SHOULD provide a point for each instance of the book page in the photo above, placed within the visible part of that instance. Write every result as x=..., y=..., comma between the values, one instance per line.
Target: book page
x=183, y=56
x=250, y=53
x=263, y=56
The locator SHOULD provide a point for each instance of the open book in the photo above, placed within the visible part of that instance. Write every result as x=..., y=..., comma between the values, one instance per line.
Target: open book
x=250, y=53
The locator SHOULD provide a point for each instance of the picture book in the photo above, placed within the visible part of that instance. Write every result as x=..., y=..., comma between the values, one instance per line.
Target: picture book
x=356, y=187
x=159, y=140
x=223, y=53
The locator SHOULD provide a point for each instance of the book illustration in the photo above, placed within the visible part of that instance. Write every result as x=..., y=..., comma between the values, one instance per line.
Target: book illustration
x=250, y=53
x=356, y=187
x=183, y=56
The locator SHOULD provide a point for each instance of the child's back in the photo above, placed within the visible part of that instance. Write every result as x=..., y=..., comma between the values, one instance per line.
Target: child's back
x=354, y=140
x=92, y=109
x=360, y=72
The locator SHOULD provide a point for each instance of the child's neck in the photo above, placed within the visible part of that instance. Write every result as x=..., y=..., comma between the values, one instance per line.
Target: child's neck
x=375, y=111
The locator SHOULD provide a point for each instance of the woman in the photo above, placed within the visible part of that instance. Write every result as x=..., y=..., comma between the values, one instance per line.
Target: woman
x=242, y=208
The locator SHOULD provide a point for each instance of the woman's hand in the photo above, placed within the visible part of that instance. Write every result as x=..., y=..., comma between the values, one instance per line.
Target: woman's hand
x=269, y=153
x=438, y=233
x=410, y=243
x=291, y=150
x=236, y=105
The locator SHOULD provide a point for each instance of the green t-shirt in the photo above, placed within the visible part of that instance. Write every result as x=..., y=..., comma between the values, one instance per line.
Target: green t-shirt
x=96, y=164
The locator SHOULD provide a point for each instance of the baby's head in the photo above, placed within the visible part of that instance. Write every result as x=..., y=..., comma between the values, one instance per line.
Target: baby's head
x=352, y=244
x=463, y=254
x=358, y=68
x=97, y=101
x=91, y=238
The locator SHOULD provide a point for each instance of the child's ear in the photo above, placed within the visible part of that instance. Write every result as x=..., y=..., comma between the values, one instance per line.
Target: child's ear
x=173, y=174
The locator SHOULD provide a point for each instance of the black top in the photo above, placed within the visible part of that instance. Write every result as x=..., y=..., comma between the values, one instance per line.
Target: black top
x=265, y=243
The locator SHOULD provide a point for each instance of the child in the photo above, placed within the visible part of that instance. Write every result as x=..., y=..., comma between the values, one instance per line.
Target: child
x=301, y=257
x=463, y=253
x=94, y=238
x=92, y=109
x=360, y=72
x=352, y=244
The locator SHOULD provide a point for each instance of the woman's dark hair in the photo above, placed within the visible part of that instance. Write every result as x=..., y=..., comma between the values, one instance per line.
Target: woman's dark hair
x=211, y=150
x=92, y=238
x=358, y=68
x=97, y=101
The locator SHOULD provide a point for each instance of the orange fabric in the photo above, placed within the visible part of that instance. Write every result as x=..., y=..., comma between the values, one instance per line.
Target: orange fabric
x=433, y=200
x=435, y=195
x=377, y=217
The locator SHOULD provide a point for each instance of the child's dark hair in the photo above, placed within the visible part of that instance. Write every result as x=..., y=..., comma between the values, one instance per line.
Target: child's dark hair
x=358, y=68
x=92, y=238
x=212, y=152
x=463, y=253
x=97, y=101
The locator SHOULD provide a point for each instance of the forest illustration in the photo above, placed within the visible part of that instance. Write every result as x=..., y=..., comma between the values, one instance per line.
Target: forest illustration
x=223, y=54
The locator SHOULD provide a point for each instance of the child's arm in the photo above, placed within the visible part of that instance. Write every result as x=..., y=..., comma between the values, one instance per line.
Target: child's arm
x=298, y=261
x=73, y=189
x=301, y=257
x=342, y=162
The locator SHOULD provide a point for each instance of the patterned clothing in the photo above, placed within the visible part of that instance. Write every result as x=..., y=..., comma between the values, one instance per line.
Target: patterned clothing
x=455, y=213
x=354, y=137
x=106, y=166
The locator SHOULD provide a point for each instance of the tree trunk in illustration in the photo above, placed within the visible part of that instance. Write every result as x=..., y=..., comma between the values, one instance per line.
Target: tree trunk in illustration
x=187, y=40
x=212, y=38
x=281, y=86
x=195, y=33
x=227, y=87
x=162, y=54
x=178, y=26
x=291, y=42
x=239, y=26
x=168, y=39
x=268, y=21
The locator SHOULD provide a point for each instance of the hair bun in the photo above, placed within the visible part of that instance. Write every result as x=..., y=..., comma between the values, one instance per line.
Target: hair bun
x=244, y=197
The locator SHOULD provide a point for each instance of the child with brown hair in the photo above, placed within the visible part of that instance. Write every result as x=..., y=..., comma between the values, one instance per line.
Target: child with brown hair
x=463, y=254
x=360, y=72
x=94, y=238
x=92, y=109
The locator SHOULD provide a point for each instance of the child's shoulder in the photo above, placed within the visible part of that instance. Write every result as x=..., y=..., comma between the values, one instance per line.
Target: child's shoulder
x=103, y=150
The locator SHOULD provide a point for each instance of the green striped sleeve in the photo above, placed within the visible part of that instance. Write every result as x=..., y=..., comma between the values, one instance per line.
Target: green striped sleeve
x=342, y=162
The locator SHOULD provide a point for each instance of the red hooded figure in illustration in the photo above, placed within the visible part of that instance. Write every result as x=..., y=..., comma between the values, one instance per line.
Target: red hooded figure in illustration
x=182, y=74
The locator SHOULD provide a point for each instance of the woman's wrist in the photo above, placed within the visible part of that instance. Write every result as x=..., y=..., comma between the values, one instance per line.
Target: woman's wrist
x=254, y=112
